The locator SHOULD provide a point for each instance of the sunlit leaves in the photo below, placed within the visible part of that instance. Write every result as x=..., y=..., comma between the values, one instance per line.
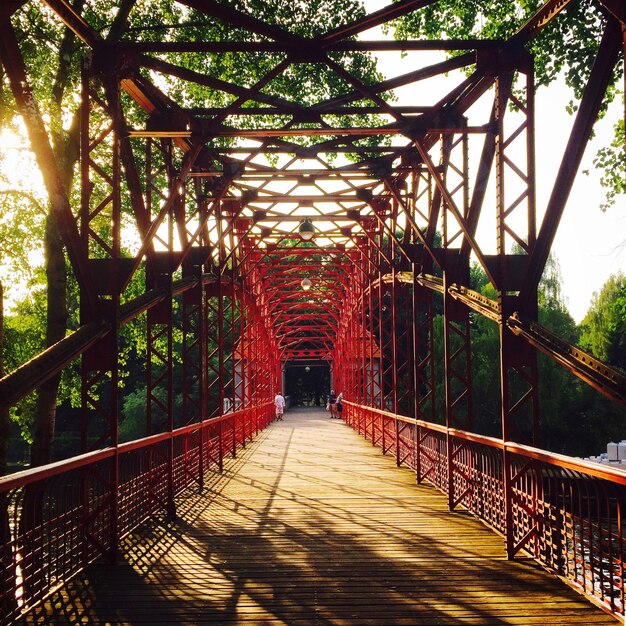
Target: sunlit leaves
x=568, y=43
x=604, y=326
x=611, y=160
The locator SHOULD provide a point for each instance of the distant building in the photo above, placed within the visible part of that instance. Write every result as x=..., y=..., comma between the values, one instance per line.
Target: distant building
x=615, y=455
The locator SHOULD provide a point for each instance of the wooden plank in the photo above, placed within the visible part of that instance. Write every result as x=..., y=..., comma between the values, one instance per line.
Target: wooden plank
x=312, y=525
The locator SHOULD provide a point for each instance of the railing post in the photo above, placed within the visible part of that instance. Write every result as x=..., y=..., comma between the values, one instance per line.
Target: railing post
x=221, y=332
x=202, y=377
x=519, y=401
x=423, y=360
x=171, y=504
x=394, y=358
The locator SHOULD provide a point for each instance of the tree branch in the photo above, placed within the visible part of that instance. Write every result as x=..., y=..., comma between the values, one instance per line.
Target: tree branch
x=27, y=195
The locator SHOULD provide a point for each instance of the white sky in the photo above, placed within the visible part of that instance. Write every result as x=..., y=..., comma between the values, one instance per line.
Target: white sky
x=590, y=245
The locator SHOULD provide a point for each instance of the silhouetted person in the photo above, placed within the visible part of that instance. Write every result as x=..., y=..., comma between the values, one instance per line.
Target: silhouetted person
x=339, y=405
x=332, y=404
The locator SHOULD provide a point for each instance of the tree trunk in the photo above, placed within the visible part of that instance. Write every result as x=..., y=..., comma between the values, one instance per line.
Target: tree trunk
x=45, y=417
x=66, y=150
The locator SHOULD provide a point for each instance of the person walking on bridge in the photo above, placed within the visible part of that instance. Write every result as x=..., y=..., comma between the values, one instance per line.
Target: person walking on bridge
x=332, y=404
x=279, y=403
x=339, y=405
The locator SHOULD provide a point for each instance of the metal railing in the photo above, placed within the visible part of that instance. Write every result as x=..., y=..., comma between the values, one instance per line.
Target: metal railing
x=57, y=519
x=566, y=513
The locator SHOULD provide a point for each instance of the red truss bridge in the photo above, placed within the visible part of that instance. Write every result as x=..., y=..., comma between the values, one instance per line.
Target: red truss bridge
x=303, y=215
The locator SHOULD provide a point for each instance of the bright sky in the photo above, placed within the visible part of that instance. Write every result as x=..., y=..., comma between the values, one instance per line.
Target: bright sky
x=590, y=245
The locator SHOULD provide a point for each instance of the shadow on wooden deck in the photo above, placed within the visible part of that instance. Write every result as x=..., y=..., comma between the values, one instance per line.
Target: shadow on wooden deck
x=312, y=525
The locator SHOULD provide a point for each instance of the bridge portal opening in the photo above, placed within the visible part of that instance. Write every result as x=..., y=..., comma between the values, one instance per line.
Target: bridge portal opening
x=307, y=384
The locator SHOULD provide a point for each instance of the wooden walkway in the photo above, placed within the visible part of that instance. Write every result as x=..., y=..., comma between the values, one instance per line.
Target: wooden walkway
x=312, y=525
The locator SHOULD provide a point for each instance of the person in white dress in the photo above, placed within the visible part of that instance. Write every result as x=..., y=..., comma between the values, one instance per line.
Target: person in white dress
x=279, y=403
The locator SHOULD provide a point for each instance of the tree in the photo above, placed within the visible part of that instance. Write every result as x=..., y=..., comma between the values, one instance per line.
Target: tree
x=21, y=221
x=575, y=419
x=37, y=39
x=603, y=329
x=4, y=414
x=611, y=161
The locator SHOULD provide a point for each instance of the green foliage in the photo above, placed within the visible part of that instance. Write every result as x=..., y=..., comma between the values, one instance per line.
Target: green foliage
x=25, y=332
x=486, y=374
x=24, y=338
x=302, y=83
x=22, y=219
x=603, y=329
x=574, y=418
x=133, y=423
x=581, y=22
x=611, y=161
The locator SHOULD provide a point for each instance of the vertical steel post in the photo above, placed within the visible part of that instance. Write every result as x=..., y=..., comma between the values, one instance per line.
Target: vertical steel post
x=518, y=361
x=221, y=332
x=415, y=370
x=230, y=347
x=458, y=379
x=99, y=367
x=374, y=376
x=394, y=351
x=202, y=358
x=115, y=305
x=171, y=506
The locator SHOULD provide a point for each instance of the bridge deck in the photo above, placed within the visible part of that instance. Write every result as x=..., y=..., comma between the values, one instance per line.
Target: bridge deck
x=311, y=525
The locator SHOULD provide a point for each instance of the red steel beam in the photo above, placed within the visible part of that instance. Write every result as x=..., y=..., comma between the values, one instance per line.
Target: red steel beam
x=242, y=20
x=41, y=368
x=75, y=22
x=375, y=45
x=371, y=20
x=540, y=19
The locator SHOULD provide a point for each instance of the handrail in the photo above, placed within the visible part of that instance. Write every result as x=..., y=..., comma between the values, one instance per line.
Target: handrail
x=33, y=474
x=400, y=418
x=560, y=460
x=475, y=438
x=565, y=513
x=87, y=504
x=605, y=472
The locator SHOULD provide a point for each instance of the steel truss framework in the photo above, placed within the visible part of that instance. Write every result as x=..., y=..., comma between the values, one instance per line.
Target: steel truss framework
x=217, y=194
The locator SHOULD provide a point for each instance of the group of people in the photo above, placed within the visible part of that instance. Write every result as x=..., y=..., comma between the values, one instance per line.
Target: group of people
x=334, y=405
